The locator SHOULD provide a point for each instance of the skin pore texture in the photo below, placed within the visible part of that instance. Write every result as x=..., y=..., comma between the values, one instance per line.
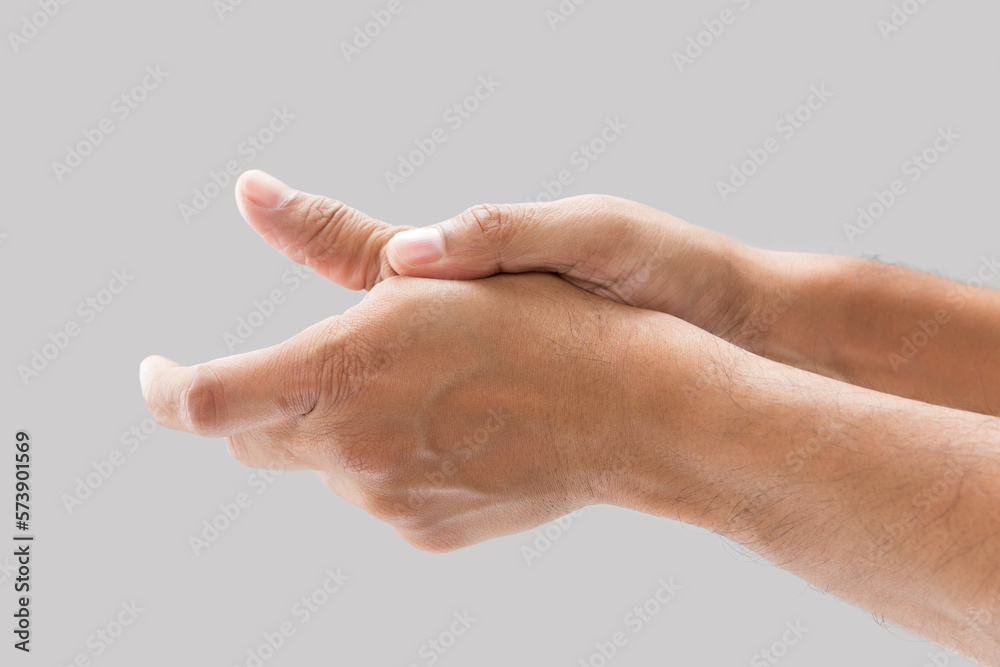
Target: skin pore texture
x=783, y=400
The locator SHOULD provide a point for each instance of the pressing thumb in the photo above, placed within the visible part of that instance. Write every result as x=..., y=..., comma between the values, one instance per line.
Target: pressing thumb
x=480, y=242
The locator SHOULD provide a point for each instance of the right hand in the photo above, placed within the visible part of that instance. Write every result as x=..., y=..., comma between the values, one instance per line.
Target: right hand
x=611, y=247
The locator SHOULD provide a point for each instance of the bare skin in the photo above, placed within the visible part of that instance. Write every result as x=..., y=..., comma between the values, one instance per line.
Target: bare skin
x=844, y=318
x=462, y=411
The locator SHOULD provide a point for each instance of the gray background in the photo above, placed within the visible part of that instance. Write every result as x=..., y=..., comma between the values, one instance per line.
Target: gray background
x=120, y=208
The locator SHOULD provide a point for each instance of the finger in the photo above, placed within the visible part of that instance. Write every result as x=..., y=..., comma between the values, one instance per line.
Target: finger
x=613, y=247
x=480, y=242
x=280, y=446
x=582, y=234
x=338, y=242
x=229, y=395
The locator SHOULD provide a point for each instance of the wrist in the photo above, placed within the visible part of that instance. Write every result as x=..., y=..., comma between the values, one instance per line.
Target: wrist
x=792, y=308
x=679, y=428
x=743, y=293
x=717, y=434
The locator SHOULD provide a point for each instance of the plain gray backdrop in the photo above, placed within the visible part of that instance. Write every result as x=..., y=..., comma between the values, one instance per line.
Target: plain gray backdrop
x=223, y=74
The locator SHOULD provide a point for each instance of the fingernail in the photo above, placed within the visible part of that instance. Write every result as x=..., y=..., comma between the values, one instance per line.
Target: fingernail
x=265, y=190
x=419, y=246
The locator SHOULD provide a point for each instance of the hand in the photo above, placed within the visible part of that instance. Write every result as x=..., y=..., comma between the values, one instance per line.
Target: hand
x=456, y=412
x=611, y=247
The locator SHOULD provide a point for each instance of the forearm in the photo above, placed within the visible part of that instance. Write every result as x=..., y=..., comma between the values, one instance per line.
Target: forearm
x=891, y=504
x=878, y=326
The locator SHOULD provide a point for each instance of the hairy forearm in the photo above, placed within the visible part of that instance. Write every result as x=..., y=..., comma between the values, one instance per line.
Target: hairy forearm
x=889, y=503
x=880, y=326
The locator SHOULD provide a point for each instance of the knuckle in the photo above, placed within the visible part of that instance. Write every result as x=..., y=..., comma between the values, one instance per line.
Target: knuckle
x=294, y=376
x=333, y=365
x=334, y=232
x=348, y=357
x=492, y=220
x=345, y=369
x=203, y=403
x=324, y=220
x=496, y=227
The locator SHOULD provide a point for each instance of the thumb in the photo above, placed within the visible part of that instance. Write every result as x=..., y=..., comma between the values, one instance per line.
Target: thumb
x=338, y=242
x=485, y=240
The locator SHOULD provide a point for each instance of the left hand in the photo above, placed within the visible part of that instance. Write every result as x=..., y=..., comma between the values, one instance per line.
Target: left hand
x=455, y=411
